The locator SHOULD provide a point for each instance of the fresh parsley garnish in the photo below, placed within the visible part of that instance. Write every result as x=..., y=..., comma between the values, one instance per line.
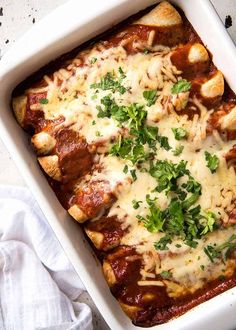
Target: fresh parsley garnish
x=178, y=150
x=43, y=101
x=130, y=149
x=216, y=252
x=209, y=220
x=98, y=133
x=212, y=161
x=136, y=204
x=125, y=169
x=150, y=96
x=162, y=243
x=182, y=85
x=93, y=60
x=93, y=122
x=164, y=142
x=133, y=174
x=212, y=252
x=166, y=274
x=166, y=173
x=111, y=82
x=179, y=133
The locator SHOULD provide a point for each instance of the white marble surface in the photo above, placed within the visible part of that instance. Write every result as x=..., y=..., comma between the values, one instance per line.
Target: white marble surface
x=16, y=16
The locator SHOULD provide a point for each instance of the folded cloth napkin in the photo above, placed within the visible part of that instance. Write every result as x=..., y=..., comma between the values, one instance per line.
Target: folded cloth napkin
x=38, y=286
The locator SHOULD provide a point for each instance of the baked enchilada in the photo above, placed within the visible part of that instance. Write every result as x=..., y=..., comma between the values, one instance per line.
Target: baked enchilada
x=136, y=135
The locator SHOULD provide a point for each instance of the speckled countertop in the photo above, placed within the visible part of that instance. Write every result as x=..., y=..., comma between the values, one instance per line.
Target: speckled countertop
x=17, y=16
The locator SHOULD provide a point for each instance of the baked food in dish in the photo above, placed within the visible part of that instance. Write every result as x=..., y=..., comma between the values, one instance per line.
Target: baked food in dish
x=136, y=135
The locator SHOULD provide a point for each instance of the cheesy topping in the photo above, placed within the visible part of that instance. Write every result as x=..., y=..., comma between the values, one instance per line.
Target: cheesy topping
x=102, y=79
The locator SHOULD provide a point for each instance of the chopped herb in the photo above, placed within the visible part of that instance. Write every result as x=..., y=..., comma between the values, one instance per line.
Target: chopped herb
x=162, y=243
x=164, y=143
x=202, y=267
x=130, y=149
x=167, y=173
x=192, y=186
x=181, y=86
x=179, y=133
x=122, y=74
x=94, y=97
x=178, y=150
x=210, y=220
x=153, y=221
x=212, y=252
x=146, y=51
x=43, y=101
x=93, y=122
x=111, y=82
x=136, y=204
x=133, y=174
x=212, y=161
x=97, y=133
x=150, y=96
x=190, y=201
x=178, y=245
x=221, y=278
x=125, y=169
x=166, y=274
x=93, y=60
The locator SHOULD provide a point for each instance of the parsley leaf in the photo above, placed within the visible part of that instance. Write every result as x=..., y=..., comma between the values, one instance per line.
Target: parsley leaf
x=130, y=149
x=212, y=161
x=136, y=204
x=110, y=82
x=43, y=101
x=166, y=274
x=125, y=169
x=93, y=60
x=150, y=96
x=179, y=133
x=155, y=220
x=192, y=186
x=164, y=143
x=162, y=243
x=212, y=252
x=133, y=174
x=167, y=173
x=181, y=86
x=210, y=220
x=178, y=150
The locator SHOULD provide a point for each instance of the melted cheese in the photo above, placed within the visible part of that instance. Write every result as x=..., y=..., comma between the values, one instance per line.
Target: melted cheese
x=70, y=95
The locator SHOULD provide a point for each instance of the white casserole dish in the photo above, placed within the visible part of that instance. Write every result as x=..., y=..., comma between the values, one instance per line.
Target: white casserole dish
x=65, y=28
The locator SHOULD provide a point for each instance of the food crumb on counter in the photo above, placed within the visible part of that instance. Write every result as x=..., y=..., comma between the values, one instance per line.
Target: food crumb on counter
x=228, y=21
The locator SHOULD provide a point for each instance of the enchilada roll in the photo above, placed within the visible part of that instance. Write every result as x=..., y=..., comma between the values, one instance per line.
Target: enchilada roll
x=105, y=233
x=72, y=158
x=43, y=143
x=162, y=26
x=191, y=59
x=91, y=199
x=209, y=88
x=122, y=266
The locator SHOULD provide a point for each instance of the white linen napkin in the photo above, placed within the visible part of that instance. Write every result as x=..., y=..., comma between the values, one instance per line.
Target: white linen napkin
x=38, y=285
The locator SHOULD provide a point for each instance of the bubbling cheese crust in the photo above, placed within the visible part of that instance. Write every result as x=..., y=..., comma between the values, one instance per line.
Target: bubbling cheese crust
x=88, y=98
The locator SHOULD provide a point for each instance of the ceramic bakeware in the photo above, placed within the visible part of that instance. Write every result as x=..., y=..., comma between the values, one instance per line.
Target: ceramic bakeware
x=68, y=26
